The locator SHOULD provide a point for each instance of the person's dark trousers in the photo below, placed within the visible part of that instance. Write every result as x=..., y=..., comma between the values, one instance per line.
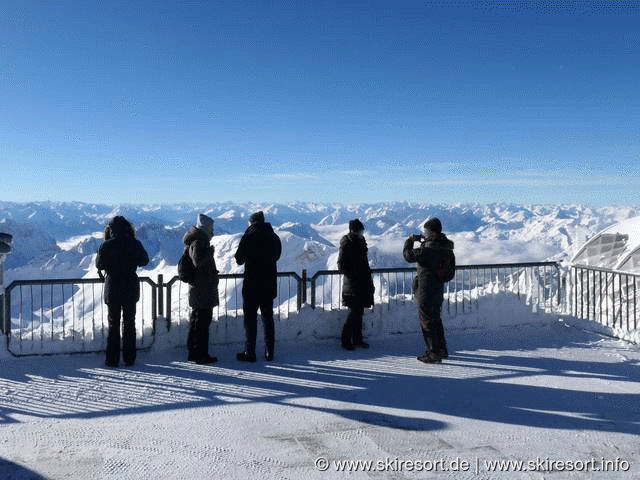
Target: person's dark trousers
x=432, y=329
x=198, y=333
x=250, y=308
x=128, y=315
x=352, y=329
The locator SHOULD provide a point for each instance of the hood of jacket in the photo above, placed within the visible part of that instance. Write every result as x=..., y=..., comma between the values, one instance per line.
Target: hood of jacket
x=259, y=228
x=195, y=234
x=354, y=239
x=438, y=240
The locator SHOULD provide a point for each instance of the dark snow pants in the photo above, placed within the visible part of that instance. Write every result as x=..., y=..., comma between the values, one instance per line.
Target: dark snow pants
x=352, y=329
x=432, y=328
x=250, y=308
x=198, y=333
x=128, y=314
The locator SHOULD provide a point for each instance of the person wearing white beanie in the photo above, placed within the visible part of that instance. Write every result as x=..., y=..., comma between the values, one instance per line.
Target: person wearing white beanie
x=203, y=289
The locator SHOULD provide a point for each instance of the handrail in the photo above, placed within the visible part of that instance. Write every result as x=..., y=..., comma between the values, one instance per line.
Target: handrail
x=230, y=276
x=605, y=296
x=393, y=284
x=54, y=312
x=603, y=270
x=459, y=269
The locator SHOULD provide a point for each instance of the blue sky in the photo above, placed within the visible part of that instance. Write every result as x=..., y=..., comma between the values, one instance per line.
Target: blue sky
x=345, y=101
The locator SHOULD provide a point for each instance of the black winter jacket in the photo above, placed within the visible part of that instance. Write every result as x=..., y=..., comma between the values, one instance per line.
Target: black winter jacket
x=203, y=292
x=119, y=257
x=259, y=250
x=428, y=256
x=353, y=263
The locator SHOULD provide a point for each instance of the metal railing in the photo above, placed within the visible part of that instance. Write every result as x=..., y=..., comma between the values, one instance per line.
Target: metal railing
x=540, y=282
x=68, y=316
x=176, y=306
x=604, y=296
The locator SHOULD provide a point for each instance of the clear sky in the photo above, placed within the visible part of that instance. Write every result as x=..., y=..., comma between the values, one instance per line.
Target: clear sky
x=334, y=100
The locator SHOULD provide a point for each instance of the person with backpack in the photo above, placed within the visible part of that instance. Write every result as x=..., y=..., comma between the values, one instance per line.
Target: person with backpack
x=119, y=256
x=436, y=265
x=197, y=267
x=357, y=290
x=259, y=250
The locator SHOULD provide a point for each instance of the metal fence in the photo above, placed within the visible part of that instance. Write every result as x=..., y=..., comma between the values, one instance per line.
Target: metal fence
x=69, y=315
x=605, y=296
x=538, y=282
x=176, y=304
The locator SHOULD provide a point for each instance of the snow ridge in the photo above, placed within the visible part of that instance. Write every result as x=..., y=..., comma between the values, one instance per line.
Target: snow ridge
x=59, y=239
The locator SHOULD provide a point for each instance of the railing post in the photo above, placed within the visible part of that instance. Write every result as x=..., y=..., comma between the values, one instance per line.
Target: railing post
x=168, y=312
x=3, y=326
x=313, y=292
x=559, y=284
x=6, y=309
x=302, y=293
x=154, y=301
x=160, y=288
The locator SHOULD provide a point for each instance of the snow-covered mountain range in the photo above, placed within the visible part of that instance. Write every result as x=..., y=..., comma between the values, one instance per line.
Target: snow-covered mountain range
x=53, y=239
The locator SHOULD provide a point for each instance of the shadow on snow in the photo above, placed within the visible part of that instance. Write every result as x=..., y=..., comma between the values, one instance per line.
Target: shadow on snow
x=555, y=380
x=13, y=471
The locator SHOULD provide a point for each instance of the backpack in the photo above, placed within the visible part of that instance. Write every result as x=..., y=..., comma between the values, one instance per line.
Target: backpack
x=186, y=268
x=447, y=268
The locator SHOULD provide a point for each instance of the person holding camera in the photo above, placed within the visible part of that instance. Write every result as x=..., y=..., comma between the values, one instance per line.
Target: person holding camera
x=435, y=266
x=357, y=291
x=119, y=256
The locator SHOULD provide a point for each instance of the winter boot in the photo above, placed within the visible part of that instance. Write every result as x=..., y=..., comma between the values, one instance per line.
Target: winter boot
x=206, y=360
x=246, y=357
x=429, y=358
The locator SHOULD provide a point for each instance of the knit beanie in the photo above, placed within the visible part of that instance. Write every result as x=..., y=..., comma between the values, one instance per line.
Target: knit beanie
x=356, y=225
x=433, y=225
x=257, y=217
x=205, y=224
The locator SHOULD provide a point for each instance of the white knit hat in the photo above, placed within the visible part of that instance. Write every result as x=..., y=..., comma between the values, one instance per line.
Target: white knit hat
x=205, y=223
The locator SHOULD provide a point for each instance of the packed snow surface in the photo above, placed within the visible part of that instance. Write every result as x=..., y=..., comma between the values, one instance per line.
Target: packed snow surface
x=535, y=391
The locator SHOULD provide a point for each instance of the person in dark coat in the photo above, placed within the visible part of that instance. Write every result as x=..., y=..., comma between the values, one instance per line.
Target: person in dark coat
x=119, y=256
x=258, y=251
x=428, y=287
x=357, y=290
x=203, y=290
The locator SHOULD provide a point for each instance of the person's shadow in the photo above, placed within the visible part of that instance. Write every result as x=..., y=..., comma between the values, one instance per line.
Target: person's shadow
x=383, y=386
x=12, y=471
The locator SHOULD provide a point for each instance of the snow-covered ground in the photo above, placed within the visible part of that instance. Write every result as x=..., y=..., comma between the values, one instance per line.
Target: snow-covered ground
x=518, y=387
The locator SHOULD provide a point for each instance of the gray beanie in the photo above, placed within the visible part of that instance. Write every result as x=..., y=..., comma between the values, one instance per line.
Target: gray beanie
x=205, y=224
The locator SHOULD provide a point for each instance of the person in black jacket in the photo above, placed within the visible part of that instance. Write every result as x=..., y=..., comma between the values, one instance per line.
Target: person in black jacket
x=258, y=251
x=119, y=256
x=203, y=289
x=357, y=290
x=429, y=286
